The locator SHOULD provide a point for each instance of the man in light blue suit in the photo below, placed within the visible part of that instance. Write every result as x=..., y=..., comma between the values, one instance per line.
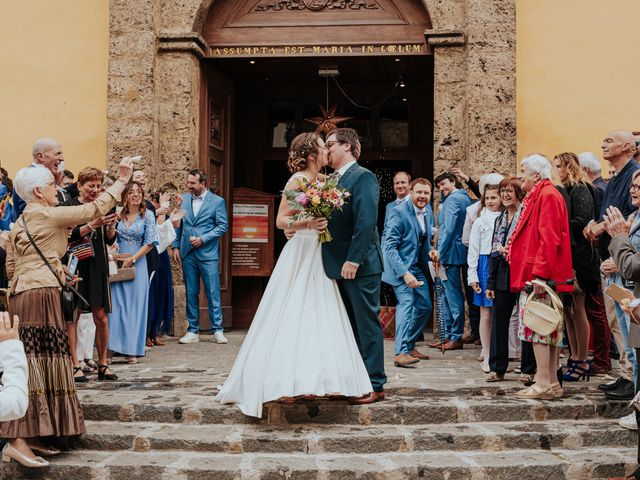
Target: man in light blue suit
x=402, y=189
x=406, y=246
x=452, y=255
x=197, y=246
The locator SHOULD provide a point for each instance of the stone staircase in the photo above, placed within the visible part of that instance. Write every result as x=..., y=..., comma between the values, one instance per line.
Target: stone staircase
x=142, y=432
x=440, y=421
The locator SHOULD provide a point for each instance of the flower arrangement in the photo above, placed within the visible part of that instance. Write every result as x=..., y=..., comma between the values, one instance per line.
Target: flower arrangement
x=312, y=198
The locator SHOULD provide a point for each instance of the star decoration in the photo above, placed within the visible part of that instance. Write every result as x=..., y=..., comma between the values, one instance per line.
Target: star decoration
x=328, y=121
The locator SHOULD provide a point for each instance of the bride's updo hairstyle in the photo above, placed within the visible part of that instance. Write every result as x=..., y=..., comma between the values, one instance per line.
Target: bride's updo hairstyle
x=301, y=147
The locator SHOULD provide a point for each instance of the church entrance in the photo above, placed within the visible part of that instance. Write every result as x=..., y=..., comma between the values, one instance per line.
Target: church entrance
x=261, y=89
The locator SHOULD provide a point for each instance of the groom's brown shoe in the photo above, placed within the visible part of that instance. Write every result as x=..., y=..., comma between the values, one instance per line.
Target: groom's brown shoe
x=373, y=397
x=405, y=360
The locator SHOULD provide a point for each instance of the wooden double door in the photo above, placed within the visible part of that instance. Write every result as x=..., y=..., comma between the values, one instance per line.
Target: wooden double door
x=250, y=115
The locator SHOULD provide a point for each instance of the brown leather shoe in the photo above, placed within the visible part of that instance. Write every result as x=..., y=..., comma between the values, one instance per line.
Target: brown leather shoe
x=405, y=360
x=437, y=344
x=451, y=345
x=373, y=397
x=470, y=338
x=416, y=354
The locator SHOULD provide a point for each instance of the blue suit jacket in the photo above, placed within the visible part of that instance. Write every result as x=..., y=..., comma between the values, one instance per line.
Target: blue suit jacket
x=210, y=225
x=401, y=245
x=392, y=205
x=451, y=220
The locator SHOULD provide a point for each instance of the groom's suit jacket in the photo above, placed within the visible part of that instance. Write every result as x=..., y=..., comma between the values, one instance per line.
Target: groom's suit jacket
x=405, y=246
x=354, y=228
x=210, y=225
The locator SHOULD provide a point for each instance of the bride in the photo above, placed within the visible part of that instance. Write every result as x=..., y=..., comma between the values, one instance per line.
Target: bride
x=300, y=342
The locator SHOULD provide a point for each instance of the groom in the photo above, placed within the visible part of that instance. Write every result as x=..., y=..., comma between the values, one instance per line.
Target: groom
x=353, y=258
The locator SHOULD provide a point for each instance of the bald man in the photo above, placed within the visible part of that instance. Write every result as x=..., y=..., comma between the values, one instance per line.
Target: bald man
x=47, y=153
x=618, y=148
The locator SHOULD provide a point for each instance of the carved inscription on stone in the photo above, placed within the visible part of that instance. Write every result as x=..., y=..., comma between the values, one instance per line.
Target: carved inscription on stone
x=316, y=5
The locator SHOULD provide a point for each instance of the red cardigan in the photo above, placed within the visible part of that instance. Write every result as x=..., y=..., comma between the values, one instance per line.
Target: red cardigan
x=541, y=244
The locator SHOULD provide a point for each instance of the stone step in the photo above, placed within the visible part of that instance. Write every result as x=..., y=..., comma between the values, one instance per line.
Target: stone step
x=398, y=409
x=568, y=434
x=556, y=464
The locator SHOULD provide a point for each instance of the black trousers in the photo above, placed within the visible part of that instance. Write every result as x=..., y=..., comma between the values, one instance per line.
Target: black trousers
x=500, y=318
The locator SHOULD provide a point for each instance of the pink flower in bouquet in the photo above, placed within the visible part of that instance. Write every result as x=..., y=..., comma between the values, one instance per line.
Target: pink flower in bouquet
x=302, y=199
x=312, y=192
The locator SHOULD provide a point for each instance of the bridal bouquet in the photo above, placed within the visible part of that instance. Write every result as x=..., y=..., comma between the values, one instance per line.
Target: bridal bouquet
x=312, y=198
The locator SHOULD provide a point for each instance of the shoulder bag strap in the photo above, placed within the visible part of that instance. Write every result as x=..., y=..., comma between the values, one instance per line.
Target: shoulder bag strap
x=46, y=262
x=35, y=245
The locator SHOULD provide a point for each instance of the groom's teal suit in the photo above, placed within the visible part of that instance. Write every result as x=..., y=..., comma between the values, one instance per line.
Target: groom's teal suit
x=355, y=239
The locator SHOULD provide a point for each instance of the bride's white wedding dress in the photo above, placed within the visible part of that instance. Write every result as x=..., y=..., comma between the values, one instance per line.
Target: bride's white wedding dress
x=300, y=341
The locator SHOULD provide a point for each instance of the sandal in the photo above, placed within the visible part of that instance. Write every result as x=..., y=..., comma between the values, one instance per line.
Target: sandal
x=535, y=392
x=90, y=366
x=149, y=342
x=158, y=342
x=103, y=375
x=132, y=360
x=577, y=373
x=494, y=377
x=79, y=378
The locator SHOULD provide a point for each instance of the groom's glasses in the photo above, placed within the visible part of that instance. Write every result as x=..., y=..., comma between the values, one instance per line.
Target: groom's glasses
x=331, y=143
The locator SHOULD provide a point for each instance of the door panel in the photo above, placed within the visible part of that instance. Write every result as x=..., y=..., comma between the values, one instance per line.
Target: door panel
x=216, y=159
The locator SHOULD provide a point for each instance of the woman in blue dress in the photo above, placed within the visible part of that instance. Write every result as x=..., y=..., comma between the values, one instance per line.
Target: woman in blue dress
x=137, y=235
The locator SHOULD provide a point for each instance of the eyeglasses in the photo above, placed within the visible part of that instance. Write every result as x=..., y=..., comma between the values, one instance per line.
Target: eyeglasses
x=634, y=187
x=331, y=143
x=507, y=190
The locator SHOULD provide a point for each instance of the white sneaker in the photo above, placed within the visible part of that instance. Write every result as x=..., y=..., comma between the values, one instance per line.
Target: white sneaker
x=189, y=338
x=629, y=422
x=218, y=337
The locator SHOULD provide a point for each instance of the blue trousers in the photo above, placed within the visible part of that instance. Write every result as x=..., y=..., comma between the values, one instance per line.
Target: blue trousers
x=453, y=303
x=412, y=312
x=193, y=270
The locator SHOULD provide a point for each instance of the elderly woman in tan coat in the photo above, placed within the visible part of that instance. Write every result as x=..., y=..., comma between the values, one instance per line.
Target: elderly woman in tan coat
x=54, y=408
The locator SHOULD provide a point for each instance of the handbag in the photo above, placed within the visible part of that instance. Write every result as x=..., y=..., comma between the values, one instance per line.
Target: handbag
x=83, y=248
x=387, y=318
x=122, y=274
x=70, y=298
x=543, y=319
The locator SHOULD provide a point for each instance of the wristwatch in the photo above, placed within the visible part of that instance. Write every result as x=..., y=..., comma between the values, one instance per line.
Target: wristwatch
x=133, y=261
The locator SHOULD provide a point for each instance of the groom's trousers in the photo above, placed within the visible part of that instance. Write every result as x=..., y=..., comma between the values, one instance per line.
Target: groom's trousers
x=361, y=297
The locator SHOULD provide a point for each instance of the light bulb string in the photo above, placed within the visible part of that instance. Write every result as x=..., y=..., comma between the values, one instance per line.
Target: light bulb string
x=356, y=104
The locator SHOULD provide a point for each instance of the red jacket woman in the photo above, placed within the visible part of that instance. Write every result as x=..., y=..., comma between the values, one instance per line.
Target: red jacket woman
x=541, y=244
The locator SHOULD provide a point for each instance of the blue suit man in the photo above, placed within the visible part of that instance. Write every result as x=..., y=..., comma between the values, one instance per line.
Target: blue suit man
x=197, y=246
x=406, y=247
x=452, y=254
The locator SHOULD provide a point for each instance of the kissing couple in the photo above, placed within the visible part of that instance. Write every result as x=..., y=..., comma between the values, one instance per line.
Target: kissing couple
x=316, y=332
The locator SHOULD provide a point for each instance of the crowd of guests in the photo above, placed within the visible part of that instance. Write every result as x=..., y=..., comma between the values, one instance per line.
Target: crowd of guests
x=94, y=247
x=543, y=235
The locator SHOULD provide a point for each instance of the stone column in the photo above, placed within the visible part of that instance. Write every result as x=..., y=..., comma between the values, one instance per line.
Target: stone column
x=449, y=83
x=177, y=83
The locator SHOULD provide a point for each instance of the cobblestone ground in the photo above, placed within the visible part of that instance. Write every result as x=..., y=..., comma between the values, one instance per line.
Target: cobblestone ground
x=441, y=421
